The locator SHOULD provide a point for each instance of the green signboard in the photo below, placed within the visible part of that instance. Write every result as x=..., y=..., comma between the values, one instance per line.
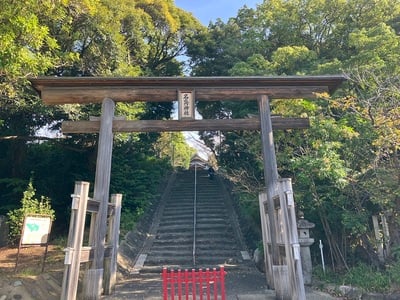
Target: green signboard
x=36, y=230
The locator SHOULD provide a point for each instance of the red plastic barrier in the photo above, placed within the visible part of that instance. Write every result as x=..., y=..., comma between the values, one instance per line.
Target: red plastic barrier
x=202, y=284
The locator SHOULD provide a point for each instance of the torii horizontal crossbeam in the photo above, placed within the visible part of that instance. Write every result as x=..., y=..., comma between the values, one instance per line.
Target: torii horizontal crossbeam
x=66, y=90
x=175, y=125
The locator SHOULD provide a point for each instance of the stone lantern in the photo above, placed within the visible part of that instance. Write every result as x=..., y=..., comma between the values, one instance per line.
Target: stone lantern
x=303, y=228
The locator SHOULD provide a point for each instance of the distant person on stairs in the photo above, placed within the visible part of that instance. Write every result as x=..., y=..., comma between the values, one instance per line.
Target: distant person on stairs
x=211, y=172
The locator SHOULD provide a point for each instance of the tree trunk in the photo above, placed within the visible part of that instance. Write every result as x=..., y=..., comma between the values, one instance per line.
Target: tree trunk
x=336, y=254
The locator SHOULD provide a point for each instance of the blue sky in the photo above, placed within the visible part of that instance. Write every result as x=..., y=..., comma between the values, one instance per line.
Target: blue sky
x=206, y=11
x=210, y=10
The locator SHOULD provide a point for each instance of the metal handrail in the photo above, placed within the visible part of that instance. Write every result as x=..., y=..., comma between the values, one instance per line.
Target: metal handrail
x=194, y=215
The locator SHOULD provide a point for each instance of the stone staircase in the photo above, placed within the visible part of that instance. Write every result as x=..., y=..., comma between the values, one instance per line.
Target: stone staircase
x=194, y=230
x=170, y=240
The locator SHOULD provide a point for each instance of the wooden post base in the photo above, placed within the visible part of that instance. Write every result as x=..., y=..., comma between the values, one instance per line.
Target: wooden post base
x=93, y=283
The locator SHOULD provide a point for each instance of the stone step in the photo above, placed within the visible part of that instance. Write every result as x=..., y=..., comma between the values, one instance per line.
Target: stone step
x=212, y=235
x=176, y=221
x=225, y=243
x=187, y=204
x=232, y=246
x=166, y=260
x=211, y=228
x=178, y=209
x=211, y=205
x=202, y=230
x=204, y=216
x=170, y=253
x=152, y=269
x=214, y=219
x=163, y=260
x=182, y=214
x=176, y=228
x=172, y=246
x=155, y=269
x=212, y=214
x=181, y=197
x=174, y=236
x=218, y=252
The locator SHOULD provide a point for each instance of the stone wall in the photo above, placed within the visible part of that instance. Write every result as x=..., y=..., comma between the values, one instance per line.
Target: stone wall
x=4, y=230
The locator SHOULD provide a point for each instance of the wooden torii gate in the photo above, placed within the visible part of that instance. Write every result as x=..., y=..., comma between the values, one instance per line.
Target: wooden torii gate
x=276, y=203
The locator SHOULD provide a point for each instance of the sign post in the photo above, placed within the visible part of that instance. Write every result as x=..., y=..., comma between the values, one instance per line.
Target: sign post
x=35, y=232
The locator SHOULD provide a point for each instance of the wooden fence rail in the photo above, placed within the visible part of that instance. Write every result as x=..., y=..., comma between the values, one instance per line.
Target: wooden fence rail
x=76, y=253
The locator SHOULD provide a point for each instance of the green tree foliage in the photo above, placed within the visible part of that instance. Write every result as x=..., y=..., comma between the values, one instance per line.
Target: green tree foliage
x=214, y=51
x=345, y=167
x=172, y=146
x=164, y=31
x=255, y=65
x=78, y=38
x=137, y=176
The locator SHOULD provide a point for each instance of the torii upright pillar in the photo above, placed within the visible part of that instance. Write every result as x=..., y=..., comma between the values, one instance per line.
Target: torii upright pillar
x=93, y=281
x=270, y=168
x=287, y=278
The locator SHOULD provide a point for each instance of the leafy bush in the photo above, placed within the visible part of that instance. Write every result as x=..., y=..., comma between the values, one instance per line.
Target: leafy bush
x=328, y=276
x=367, y=278
x=394, y=274
x=129, y=220
x=30, y=205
